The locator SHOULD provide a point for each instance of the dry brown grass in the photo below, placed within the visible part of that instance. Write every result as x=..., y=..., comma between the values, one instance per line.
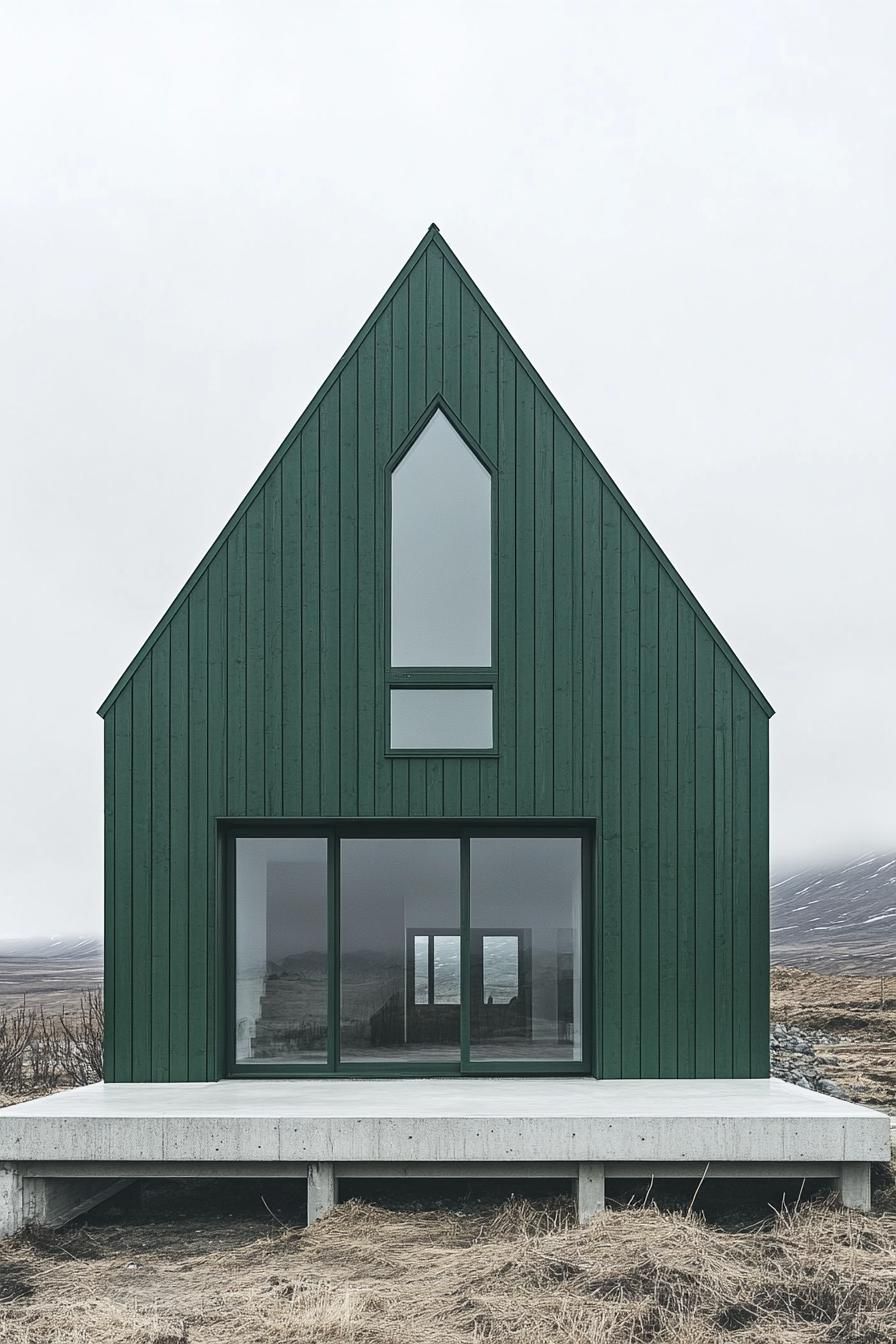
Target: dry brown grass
x=519, y=1274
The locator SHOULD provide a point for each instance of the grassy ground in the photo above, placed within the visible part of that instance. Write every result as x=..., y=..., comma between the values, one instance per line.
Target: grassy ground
x=517, y=1272
x=188, y=1263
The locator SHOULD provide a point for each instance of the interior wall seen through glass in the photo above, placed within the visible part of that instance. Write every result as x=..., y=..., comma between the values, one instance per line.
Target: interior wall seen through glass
x=441, y=560
x=281, y=950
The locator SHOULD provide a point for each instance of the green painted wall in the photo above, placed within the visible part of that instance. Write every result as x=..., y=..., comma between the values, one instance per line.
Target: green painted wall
x=261, y=693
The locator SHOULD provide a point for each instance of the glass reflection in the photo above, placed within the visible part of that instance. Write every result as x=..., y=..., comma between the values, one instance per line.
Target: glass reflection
x=400, y=919
x=281, y=950
x=526, y=948
x=441, y=553
x=441, y=718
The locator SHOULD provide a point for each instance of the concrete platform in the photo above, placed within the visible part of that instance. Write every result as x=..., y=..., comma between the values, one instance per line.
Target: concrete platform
x=330, y=1127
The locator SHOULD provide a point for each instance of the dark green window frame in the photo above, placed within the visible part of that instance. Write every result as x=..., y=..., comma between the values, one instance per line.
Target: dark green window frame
x=463, y=831
x=440, y=678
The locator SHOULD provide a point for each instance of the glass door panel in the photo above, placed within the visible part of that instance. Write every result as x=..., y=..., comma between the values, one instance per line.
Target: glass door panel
x=281, y=950
x=526, y=949
x=400, y=951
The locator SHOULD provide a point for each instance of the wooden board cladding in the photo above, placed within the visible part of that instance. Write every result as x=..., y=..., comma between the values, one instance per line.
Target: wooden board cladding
x=262, y=694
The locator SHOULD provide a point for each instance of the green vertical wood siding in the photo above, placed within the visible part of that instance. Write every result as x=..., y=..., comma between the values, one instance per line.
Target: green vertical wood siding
x=261, y=694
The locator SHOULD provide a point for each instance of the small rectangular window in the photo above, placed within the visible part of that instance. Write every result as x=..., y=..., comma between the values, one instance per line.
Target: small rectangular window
x=446, y=719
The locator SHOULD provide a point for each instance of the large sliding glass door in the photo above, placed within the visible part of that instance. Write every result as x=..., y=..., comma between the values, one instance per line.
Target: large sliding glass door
x=362, y=950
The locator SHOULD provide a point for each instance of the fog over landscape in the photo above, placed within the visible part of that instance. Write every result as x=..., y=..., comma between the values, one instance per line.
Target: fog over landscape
x=684, y=215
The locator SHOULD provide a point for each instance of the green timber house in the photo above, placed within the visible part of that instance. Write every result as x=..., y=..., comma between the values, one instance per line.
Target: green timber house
x=435, y=765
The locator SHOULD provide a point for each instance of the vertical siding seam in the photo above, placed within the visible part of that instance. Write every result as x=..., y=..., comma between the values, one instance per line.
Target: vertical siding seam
x=535, y=605
x=245, y=643
x=490, y=382
x=300, y=617
x=578, y=566
x=383, y=553
x=597, y=886
x=279, y=670
x=170, y=864
x=355, y=620
x=600, y=801
x=187, y=895
x=534, y=561
x=480, y=765
x=209, y=870
x=712, y=903
x=620, y=898
x=110, y=1054
x=384, y=596
x=320, y=552
x=658, y=823
x=676, y=739
x=263, y=659
x=216, y=876
x=300, y=632
x=729, y=808
x=620, y=902
x=337, y=597
x=639, y=856
x=515, y=732
x=130, y=1068
x=150, y=895
x=751, y=1007
x=551, y=794
x=342, y=733
x=515, y=589
x=694, y=903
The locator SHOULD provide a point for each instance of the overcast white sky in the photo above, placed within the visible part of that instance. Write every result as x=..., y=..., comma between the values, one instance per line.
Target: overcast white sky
x=683, y=211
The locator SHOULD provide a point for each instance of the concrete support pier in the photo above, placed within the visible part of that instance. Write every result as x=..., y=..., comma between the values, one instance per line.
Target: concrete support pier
x=48, y=1201
x=321, y=1189
x=590, y=1196
x=855, y=1185
x=12, y=1208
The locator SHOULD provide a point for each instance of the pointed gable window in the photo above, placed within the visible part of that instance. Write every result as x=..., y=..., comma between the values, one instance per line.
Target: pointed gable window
x=441, y=553
x=440, y=635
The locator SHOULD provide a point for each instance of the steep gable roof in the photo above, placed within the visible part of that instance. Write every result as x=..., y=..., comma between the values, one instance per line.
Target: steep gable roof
x=433, y=238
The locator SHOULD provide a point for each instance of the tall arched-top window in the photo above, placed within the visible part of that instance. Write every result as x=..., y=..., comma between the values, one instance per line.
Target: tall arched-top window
x=441, y=553
x=441, y=594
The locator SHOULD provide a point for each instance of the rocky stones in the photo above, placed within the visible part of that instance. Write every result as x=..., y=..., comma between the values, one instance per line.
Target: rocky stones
x=795, y=1058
